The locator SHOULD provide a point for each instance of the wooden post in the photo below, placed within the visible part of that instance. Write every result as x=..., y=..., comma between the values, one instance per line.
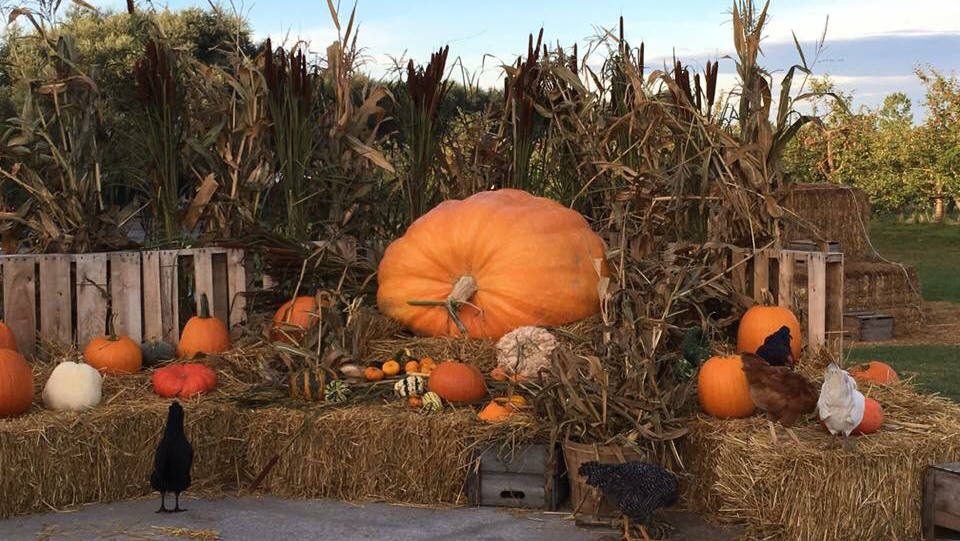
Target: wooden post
x=816, y=300
x=237, y=276
x=788, y=263
x=152, y=306
x=169, y=295
x=55, y=298
x=91, y=296
x=761, y=274
x=125, y=291
x=834, y=297
x=19, y=301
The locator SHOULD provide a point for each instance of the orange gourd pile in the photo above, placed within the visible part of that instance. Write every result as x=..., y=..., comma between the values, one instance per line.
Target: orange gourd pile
x=504, y=258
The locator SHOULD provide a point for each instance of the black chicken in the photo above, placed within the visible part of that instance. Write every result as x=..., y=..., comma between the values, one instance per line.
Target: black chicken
x=171, y=464
x=776, y=348
x=637, y=488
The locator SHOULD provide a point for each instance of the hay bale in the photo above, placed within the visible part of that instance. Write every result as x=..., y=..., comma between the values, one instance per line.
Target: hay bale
x=802, y=493
x=832, y=212
x=884, y=287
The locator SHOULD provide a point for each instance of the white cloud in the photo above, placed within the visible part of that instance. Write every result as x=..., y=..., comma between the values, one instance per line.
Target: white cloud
x=862, y=18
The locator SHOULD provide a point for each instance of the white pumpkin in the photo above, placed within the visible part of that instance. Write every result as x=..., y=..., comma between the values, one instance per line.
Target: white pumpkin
x=525, y=351
x=72, y=387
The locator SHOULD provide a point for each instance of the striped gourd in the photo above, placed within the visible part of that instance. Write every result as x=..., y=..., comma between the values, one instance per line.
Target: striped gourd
x=431, y=402
x=308, y=385
x=337, y=391
x=410, y=386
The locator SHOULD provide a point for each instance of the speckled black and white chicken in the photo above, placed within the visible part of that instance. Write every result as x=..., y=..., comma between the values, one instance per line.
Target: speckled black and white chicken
x=637, y=488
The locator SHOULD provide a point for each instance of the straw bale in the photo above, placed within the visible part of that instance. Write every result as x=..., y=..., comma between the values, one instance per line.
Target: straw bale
x=806, y=492
x=833, y=212
x=884, y=287
x=388, y=452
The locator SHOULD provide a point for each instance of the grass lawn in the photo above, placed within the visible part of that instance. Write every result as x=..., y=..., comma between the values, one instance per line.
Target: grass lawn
x=936, y=366
x=932, y=249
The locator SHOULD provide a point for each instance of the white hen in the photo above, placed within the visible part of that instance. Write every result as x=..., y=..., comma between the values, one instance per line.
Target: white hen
x=840, y=405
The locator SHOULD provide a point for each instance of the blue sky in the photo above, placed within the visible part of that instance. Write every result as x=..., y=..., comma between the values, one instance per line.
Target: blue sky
x=871, y=50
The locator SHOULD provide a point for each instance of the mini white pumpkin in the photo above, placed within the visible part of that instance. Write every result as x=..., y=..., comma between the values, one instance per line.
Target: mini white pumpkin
x=525, y=351
x=72, y=387
x=410, y=386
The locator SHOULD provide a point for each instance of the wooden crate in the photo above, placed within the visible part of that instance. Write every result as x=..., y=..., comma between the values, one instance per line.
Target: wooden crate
x=813, y=246
x=67, y=297
x=529, y=479
x=868, y=326
x=941, y=501
x=757, y=272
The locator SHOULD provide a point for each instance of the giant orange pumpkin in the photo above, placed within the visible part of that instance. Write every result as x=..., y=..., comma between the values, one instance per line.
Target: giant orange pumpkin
x=872, y=417
x=457, y=382
x=7, y=338
x=113, y=354
x=16, y=384
x=203, y=334
x=183, y=380
x=490, y=263
x=759, y=322
x=723, y=390
x=874, y=372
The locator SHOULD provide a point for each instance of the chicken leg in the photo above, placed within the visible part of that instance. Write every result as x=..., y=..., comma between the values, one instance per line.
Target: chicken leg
x=177, y=509
x=848, y=444
x=773, y=433
x=793, y=436
x=163, y=504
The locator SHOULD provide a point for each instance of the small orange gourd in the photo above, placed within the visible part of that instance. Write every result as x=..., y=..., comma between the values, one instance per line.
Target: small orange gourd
x=411, y=367
x=495, y=412
x=414, y=401
x=874, y=372
x=723, y=390
x=391, y=368
x=372, y=374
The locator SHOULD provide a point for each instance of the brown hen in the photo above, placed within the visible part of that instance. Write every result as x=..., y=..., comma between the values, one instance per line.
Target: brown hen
x=785, y=395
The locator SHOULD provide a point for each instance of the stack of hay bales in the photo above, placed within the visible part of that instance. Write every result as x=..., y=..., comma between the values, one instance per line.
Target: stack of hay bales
x=833, y=212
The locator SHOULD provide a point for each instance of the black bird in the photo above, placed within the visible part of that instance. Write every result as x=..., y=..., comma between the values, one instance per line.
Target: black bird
x=776, y=348
x=637, y=488
x=171, y=464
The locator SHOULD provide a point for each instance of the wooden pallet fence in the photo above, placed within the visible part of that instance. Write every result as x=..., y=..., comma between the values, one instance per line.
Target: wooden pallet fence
x=773, y=271
x=69, y=297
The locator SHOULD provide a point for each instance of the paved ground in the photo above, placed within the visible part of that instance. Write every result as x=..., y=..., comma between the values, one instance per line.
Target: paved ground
x=315, y=520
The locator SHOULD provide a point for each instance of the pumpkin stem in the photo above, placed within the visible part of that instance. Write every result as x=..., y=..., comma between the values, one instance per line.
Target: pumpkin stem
x=463, y=290
x=204, y=306
x=112, y=327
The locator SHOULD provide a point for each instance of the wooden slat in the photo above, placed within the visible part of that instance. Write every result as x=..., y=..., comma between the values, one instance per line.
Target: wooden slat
x=761, y=274
x=929, y=497
x=237, y=275
x=785, y=280
x=739, y=272
x=125, y=294
x=834, y=287
x=268, y=282
x=220, y=300
x=169, y=296
x=91, y=296
x=203, y=276
x=816, y=300
x=19, y=301
x=152, y=305
x=55, y=298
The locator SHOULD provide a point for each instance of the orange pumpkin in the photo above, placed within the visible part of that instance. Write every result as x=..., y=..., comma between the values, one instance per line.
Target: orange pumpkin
x=372, y=374
x=874, y=372
x=759, y=322
x=494, y=412
x=411, y=367
x=872, y=417
x=203, y=334
x=498, y=374
x=391, y=368
x=490, y=263
x=723, y=390
x=183, y=380
x=291, y=319
x=427, y=365
x=457, y=382
x=414, y=401
x=7, y=338
x=16, y=384
x=113, y=354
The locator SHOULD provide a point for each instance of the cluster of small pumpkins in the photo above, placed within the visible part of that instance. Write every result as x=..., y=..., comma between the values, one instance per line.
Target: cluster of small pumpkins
x=722, y=386
x=75, y=386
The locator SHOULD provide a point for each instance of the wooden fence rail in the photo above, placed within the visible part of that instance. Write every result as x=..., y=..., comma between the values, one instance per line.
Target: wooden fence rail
x=775, y=271
x=70, y=298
